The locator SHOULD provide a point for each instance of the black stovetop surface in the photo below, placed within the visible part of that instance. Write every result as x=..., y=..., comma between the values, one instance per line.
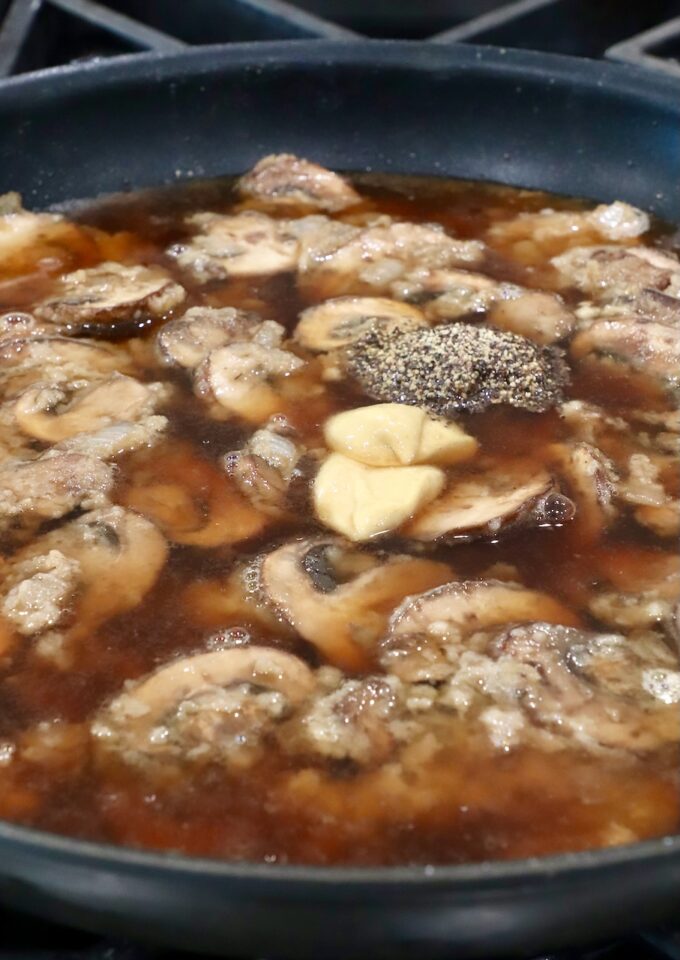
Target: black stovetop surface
x=46, y=33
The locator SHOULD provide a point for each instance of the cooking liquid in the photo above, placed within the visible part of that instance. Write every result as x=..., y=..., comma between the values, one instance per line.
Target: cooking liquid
x=489, y=804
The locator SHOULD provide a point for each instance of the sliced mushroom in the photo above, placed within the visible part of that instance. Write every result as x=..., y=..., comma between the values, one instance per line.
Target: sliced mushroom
x=428, y=633
x=285, y=179
x=636, y=588
x=189, y=498
x=27, y=238
x=483, y=505
x=650, y=348
x=264, y=469
x=591, y=478
x=39, y=591
x=588, y=690
x=55, y=412
x=339, y=598
x=48, y=488
x=242, y=378
x=209, y=707
x=610, y=274
x=653, y=506
x=228, y=245
x=542, y=317
x=186, y=342
x=17, y=325
x=110, y=300
x=341, y=258
x=101, y=564
x=446, y=294
x=351, y=723
x=340, y=322
x=549, y=232
x=57, y=360
x=121, y=437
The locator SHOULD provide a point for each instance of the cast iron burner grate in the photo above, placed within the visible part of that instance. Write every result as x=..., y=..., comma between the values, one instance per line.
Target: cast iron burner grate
x=35, y=34
x=46, y=33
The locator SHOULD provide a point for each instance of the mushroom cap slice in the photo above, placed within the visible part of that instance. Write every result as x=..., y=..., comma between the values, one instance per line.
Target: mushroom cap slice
x=339, y=598
x=482, y=505
x=207, y=706
x=428, y=632
x=50, y=487
x=236, y=245
x=591, y=479
x=338, y=322
x=119, y=555
x=54, y=413
x=282, y=179
x=189, y=498
x=187, y=341
x=110, y=300
x=648, y=347
x=239, y=378
x=57, y=360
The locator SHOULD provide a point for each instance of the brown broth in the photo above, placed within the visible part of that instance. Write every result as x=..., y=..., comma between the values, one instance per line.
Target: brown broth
x=491, y=804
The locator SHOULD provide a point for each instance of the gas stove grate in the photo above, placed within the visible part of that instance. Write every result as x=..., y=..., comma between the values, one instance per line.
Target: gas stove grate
x=45, y=33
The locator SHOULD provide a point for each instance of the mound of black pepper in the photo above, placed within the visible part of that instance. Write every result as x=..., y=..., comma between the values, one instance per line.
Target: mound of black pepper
x=457, y=367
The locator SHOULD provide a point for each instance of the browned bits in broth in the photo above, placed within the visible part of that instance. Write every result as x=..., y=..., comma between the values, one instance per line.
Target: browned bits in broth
x=288, y=574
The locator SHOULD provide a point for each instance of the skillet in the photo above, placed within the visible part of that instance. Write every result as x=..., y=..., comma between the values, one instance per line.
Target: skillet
x=570, y=126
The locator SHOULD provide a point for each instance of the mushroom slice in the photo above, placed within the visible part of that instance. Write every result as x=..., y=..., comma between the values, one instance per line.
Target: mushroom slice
x=456, y=367
x=340, y=322
x=55, y=412
x=190, y=499
x=643, y=489
x=26, y=238
x=341, y=258
x=448, y=294
x=39, y=591
x=17, y=325
x=121, y=437
x=110, y=300
x=650, y=348
x=56, y=360
x=542, y=317
x=187, y=341
x=338, y=598
x=552, y=231
x=455, y=611
x=591, y=478
x=285, y=179
x=235, y=245
x=242, y=378
x=636, y=589
x=48, y=488
x=101, y=564
x=265, y=468
x=610, y=273
x=212, y=707
x=428, y=633
x=599, y=691
x=483, y=505
x=352, y=723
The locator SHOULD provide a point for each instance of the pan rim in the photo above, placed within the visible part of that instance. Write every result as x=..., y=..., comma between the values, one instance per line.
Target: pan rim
x=490, y=873
x=614, y=80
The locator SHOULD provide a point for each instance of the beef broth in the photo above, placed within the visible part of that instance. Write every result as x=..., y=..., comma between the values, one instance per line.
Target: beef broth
x=524, y=698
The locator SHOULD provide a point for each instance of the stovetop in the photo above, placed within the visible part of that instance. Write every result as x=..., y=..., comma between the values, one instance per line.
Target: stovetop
x=46, y=33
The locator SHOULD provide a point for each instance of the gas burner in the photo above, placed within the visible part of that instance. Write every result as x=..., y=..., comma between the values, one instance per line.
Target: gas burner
x=46, y=33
